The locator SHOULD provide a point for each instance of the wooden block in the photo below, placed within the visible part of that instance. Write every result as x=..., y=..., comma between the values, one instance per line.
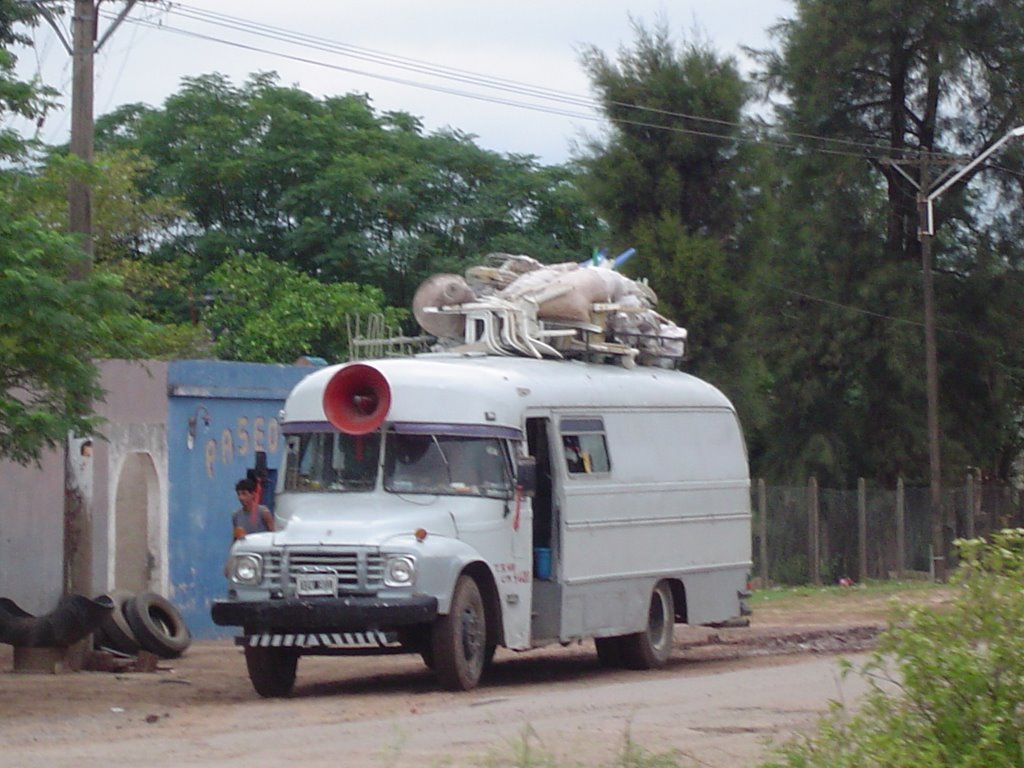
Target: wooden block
x=104, y=661
x=145, y=662
x=46, y=661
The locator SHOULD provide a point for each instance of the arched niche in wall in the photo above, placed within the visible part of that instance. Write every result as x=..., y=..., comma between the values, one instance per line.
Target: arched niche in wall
x=135, y=556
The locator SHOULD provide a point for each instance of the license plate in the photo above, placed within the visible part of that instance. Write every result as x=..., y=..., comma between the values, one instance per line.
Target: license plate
x=312, y=585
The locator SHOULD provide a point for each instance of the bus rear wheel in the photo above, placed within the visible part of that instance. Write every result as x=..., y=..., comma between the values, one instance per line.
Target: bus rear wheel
x=609, y=651
x=652, y=647
x=459, y=642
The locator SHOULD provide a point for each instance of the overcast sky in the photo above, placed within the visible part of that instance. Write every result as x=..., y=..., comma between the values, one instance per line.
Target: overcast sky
x=332, y=47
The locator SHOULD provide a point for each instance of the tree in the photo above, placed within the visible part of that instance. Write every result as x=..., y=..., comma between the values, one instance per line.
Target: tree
x=838, y=395
x=16, y=97
x=129, y=228
x=269, y=312
x=337, y=190
x=665, y=180
x=51, y=328
x=899, y=80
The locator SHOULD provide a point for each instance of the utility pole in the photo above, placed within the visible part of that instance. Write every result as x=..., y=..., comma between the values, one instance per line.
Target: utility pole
x=82, y=48
x=78, y=527
x=84, y=25
x=78, y=523
x=929, y=191
x=931, y=367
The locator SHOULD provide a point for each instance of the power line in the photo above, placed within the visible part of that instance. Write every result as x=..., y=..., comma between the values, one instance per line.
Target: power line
x=562, y=99
x=861, y=310
x=467, y=76
x=563, y=102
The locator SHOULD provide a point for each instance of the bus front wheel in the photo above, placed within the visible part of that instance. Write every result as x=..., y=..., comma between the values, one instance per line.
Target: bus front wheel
x=271, y=670
x=459, y=639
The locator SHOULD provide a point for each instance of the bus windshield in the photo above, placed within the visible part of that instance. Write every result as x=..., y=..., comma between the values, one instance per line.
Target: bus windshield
x=447, y=464
x=332, y=461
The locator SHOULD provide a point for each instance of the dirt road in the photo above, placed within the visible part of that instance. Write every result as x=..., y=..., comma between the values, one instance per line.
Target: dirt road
x=724, y=694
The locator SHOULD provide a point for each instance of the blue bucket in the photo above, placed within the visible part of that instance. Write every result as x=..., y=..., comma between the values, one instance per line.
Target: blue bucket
x=542, y=563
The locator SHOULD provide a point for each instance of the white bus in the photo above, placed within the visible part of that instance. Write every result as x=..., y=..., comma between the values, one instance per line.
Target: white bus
x=445, y=504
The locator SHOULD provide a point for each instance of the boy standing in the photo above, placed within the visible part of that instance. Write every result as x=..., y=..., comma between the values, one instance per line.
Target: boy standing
x=252, y=517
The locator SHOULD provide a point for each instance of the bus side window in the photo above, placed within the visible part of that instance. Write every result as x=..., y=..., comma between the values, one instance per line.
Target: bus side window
x=574, y=460
x=584, y=446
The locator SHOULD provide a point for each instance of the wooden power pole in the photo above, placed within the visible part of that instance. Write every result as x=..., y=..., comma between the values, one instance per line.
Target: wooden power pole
x=931, y=380
x=84, y=25
x=78, y=526
x=929, y=189
x=83, y=46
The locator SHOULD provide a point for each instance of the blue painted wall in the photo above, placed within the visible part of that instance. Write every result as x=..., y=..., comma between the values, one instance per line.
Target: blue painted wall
x=235, y=411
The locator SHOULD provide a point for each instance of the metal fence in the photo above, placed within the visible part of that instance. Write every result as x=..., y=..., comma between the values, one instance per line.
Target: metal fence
x=808, y=535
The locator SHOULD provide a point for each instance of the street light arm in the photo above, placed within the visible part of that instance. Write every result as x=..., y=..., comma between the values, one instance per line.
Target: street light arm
x=895, y=166
x=944, y=187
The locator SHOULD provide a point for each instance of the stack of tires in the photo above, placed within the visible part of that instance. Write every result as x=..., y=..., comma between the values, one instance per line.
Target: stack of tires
x=143, y=622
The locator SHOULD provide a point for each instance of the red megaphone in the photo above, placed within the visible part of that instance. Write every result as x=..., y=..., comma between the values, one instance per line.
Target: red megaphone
x=357, y=399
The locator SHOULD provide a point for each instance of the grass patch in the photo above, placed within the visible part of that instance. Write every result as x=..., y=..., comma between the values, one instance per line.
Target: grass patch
x=530, y=752
x=782, y=597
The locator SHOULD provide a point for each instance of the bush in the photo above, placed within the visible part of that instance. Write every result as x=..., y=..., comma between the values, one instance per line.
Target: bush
x=947, y=686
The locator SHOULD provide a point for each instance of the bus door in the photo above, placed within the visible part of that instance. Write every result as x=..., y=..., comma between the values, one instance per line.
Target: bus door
x=547, y=598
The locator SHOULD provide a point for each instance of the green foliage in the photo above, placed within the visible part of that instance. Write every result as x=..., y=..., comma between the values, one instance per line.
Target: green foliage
x=673, y=154
x=947, y=685
x=843, y=394
x=791, y=570
x=694, y=281
x=173, y=341
x=126, y=224
x=337, y=190
x=666, y=178
x=51, y=329
x=128, y=228
x=795, y=270
x=268, y=312
x=19, y=98
x=839, y=320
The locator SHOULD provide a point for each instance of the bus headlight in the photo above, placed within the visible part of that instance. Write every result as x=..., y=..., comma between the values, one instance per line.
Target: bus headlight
x=400, y=571
x=247, y=569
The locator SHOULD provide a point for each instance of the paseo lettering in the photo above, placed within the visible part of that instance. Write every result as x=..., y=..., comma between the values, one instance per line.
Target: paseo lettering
x=246, y=438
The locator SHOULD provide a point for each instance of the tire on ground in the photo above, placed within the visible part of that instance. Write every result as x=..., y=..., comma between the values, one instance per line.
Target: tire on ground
x=460, y=638
x=114, y=631
x=489, y=650
x=417, y=639
x=157, y=625
x=652, y=647
x=609, y=651
x=272, y=670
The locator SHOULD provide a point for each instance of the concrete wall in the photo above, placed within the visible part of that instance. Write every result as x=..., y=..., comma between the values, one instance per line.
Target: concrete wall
x=176, y=438
x=32, y=498
x=234, y=408
x=130, y=479
x=32, y=533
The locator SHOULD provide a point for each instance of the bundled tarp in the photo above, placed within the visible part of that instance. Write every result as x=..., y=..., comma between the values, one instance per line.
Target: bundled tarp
x=515, y=305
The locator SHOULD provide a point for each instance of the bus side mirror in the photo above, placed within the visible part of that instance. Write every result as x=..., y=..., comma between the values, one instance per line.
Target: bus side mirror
x=526, y=475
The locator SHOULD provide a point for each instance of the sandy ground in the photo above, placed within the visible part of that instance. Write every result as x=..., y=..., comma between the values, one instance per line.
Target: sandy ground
x=182, y=711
